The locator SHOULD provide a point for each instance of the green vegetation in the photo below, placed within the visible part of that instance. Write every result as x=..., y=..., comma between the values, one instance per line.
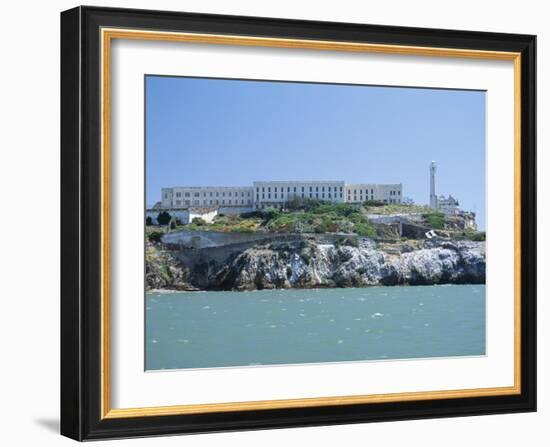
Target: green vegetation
x=149, y=221
x=375, y=207
x=155, y=236
x=309, y=216
x=321, y=217
x=435, y=220
x=198, y=221
x=164, y=218
x=470, y=235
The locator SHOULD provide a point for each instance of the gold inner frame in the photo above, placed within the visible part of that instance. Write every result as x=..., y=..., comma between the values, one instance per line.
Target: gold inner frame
x=107, y=35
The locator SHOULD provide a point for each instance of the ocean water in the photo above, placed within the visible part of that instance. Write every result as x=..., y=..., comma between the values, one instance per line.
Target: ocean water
x=271, y=327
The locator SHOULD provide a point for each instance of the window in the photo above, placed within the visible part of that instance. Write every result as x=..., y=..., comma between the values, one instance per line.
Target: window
x=187, y=194
x=295, y=189
x=275, y=189
x=323, y=195
x=310, y=195
x=263, y=196
x=165, y=195
x=210, y=200
x=178, y=202
x=217, y=195
x=229, y=201
x=288, y=189
x=178, y=194
x=269, y=194
x=257, y=197
x=310, y=189
x=223, y=194
x=329, y=189
x=196, y=202
x=257, y=189
x=223, y=202
x=329, y=196
x=316, y=189
x=269, y=189
x=302, y=195
x=210, y=195
x=316, y=195
x=323, y=189
x=302, y=190
x=263, y=189
x=275, y=193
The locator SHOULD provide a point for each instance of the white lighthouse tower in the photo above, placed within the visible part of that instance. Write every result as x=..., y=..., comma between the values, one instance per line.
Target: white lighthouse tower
x=433, y=197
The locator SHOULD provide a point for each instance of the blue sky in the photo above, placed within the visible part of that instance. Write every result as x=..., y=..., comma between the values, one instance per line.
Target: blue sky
x=216, y=132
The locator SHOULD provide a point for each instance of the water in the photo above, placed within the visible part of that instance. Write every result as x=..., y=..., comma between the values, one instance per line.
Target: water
x=216, y=329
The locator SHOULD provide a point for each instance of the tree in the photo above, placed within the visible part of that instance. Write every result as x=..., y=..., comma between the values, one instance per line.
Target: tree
x=164, y=218
x=198, y=221
x=149, y=221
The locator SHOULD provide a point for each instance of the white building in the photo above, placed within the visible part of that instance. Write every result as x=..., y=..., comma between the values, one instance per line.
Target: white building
x=275, y=193
x=363, y=192
x=447, y=205
x=185, y=216
x=207, y=196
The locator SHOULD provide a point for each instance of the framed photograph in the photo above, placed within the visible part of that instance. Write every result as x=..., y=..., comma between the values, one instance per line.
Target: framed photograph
x=277, y=223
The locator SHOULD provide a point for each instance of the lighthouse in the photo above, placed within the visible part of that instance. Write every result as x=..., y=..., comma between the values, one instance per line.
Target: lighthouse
x=433, y=197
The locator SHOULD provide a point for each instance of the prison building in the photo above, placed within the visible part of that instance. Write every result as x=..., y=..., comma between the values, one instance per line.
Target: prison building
x=207, y=196
x=364, y=192
x=277, y=193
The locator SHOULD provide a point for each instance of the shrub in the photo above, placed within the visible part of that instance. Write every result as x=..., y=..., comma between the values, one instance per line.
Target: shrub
x=270, y=214
x=252, y=214
x=164, y=218
x=303, y=204
x=435, y=220
x=374, y=203
x=477, y=236
x=155, y=236
x=149, y=221
x=364, y=229
x=198, y=221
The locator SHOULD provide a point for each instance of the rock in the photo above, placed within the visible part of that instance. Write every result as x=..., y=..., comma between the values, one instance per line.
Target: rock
x=308, y=263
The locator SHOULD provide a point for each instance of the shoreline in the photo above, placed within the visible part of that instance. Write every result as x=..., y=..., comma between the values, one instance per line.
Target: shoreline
x=374, y=286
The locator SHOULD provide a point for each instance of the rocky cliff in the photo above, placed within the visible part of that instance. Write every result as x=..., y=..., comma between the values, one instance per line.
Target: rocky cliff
x=307, y=263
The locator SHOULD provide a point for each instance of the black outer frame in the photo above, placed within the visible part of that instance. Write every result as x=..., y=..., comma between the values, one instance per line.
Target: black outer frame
x=80, y=223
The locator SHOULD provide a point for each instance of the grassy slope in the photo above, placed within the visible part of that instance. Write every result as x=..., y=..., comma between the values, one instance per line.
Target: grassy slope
x=317, y=217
